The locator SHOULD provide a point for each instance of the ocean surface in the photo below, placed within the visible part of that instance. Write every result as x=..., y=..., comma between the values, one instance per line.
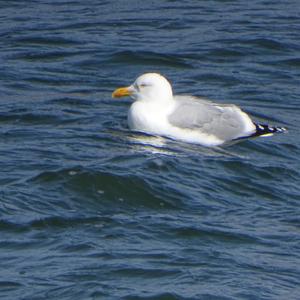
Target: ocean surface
x=91, y=210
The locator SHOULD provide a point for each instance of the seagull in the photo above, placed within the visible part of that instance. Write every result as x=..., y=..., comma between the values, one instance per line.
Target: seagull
x=190, y=119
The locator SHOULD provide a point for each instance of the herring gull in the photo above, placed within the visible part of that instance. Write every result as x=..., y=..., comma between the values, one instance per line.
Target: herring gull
x=157, y=111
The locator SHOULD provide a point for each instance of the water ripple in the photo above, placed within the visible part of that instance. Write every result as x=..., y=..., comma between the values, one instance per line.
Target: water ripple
x=149, y=58
x=92, y=210
x=109, y=187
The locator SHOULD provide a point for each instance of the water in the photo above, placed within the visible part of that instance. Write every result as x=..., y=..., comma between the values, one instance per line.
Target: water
x=90, y=210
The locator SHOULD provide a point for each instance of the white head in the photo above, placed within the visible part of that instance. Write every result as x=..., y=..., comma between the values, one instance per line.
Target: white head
x=149, y=87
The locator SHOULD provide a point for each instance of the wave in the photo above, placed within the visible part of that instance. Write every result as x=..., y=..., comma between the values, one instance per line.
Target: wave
x=110, y=189
x=149, y=58
x=30, y=40
x=23, y=116
x=266, y=43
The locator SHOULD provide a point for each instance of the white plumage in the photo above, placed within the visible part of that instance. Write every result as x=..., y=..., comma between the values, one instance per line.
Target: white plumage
x=157, y=111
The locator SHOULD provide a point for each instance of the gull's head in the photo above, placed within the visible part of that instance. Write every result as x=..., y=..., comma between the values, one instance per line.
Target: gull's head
x=149, y=86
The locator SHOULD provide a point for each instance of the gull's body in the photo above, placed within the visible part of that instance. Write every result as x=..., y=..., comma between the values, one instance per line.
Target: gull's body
x=156, y=111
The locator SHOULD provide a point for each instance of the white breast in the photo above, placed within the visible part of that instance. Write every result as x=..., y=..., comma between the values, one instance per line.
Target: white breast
x=148, y=117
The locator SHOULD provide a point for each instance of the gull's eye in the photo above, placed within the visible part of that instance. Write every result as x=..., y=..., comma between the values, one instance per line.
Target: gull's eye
x=140, y=86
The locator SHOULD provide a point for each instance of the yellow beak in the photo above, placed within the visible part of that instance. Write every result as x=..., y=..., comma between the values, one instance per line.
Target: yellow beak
x=122, y=92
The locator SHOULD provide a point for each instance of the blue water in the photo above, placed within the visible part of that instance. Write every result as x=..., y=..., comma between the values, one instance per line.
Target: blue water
x=90, y=210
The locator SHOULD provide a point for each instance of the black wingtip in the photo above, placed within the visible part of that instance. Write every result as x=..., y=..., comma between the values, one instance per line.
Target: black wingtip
x=263, y=130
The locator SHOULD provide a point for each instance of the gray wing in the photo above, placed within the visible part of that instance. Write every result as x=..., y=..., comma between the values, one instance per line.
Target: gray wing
x=226, y=122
